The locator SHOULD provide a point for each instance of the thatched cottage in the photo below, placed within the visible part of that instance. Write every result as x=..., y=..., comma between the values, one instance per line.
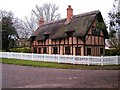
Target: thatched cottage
x=82, y=34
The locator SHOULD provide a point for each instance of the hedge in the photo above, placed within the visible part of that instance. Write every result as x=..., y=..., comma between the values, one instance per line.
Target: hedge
x=23, y=50
x=112, y=52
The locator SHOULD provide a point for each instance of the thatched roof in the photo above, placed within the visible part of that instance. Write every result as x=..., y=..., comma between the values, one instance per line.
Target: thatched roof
x=79, y=24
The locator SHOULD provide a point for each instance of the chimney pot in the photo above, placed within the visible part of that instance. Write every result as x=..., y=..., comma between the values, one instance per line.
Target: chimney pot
x=41, y=21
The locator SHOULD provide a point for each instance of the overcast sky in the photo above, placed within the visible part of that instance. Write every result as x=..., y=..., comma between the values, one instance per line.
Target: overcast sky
x=22, y=8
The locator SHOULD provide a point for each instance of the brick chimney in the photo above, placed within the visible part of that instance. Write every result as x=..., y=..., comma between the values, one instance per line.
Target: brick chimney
x=41, y=21
x=69, y=13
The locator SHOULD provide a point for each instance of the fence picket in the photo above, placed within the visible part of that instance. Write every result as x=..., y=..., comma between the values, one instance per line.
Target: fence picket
x=88, y=60
x=21, y=55
x=73, y=60
x=32, y=56
x=116, y=60
x=101, y=60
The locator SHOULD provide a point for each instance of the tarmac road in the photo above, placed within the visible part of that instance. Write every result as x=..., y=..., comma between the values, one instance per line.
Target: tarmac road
x=37, y=77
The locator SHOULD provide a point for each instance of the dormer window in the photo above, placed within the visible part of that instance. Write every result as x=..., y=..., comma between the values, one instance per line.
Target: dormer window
x=69, y=33
x=46, y=35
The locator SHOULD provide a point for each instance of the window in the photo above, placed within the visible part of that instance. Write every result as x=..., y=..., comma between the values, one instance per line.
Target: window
x=101, y=51
x=88, y=51
x=55, y=50
x=67, y=50
x=78, y=50
x=46, y=35
x=69, y=33
x=39, y=50
x=44, y=50
x=95, y=32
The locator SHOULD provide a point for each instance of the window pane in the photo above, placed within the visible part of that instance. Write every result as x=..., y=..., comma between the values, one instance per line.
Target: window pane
x=55, y=50
x=67, y=50
x=39, y=50
x=101, y=51
x=44, y=50
x=88, y=51
x=78, y=50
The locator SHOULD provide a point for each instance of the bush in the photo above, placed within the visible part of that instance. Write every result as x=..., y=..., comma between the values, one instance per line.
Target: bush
x=2, y=50
x=111, y=52
x=23, y=50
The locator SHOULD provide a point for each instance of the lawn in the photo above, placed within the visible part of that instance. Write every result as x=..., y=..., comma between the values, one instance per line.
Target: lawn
x=56, y=65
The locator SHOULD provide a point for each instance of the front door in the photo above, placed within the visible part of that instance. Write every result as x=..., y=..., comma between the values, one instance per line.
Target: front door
x=78, y=50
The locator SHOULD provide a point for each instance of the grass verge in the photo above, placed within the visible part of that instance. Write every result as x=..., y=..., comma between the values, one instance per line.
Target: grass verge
x=56, y=65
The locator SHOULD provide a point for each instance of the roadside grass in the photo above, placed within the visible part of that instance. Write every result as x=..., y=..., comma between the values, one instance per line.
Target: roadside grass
x=56, y=65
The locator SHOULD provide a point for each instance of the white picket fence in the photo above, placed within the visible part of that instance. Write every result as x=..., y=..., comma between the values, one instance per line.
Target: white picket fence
x=89, y=60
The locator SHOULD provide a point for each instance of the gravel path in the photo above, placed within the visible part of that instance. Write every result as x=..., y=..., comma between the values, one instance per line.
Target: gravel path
x=37, y=77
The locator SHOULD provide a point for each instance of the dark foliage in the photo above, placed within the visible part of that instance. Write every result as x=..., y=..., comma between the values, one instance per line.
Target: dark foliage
x=112, y=52
x=9, y=34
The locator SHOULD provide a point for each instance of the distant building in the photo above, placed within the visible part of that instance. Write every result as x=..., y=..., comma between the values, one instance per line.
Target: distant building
x=23, y=42
x=109, y=45
x=74, y=35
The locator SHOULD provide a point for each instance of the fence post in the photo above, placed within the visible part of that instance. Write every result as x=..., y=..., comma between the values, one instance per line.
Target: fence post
x=101, y=60
x=73, y=59
x=21, y=56
x=7, y=54
x=32, y=56
x=88, y=60
x=44, y=57
x=58, y=59
x=116, y=60
x=10, y=54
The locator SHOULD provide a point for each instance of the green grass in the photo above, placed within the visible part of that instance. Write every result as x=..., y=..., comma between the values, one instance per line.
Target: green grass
x=56, y=65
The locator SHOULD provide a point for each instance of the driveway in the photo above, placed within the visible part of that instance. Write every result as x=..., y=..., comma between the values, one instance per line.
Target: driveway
x=37, y=77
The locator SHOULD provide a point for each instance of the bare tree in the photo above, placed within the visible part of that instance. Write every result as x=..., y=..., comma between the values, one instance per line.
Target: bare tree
x=114, y=26
x=24, y=29
x=27, y=26
x=48, y=11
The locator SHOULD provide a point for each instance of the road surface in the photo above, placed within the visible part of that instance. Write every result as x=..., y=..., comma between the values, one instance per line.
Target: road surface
x=38, y=77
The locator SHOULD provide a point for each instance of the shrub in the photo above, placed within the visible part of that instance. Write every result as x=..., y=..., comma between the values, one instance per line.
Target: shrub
x=111, y=52
x=23, y=50
x=2, y=50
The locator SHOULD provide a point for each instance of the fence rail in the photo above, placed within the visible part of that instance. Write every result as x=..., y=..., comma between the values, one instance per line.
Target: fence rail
x=89, y=60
